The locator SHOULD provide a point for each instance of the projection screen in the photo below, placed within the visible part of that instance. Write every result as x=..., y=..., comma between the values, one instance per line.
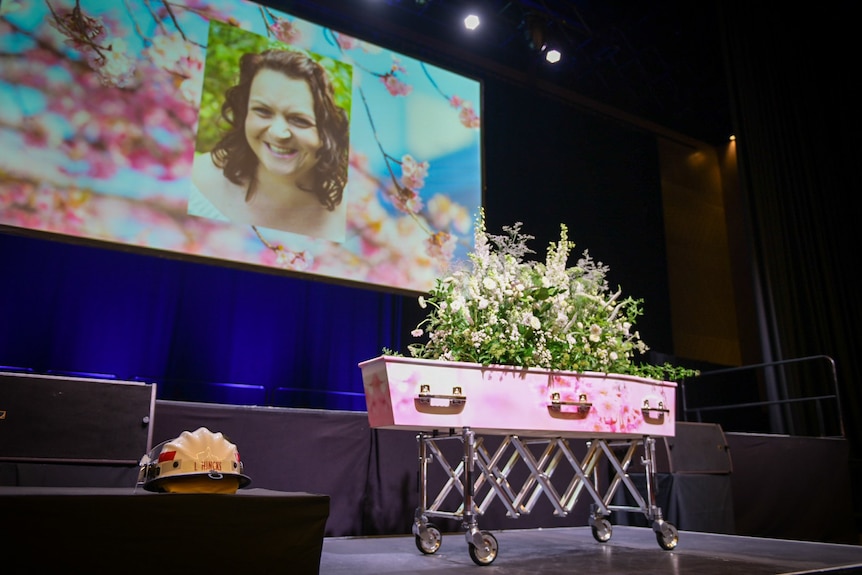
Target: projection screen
x=107, y=106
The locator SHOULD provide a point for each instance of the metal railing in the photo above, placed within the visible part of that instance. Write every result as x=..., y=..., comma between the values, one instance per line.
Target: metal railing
x=778, y=405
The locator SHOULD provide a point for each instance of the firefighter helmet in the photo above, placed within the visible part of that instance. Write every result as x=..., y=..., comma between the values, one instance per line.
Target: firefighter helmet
x=197, y=461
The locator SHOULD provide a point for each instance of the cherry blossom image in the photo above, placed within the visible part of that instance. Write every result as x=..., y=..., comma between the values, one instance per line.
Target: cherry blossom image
x=102, y=104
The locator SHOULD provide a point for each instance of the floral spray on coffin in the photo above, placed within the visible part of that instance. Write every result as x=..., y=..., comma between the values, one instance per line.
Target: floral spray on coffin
x=515, y=346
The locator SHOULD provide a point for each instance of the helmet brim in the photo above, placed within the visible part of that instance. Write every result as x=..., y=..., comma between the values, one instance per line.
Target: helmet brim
x=158, y=484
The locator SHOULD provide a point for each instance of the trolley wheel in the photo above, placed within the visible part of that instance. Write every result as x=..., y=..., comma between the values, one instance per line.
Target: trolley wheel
x=666, y=535
x=487, y=554
x=602, y=529
x=430, y=539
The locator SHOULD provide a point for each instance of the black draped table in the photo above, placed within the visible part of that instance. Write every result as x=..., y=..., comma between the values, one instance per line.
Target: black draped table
x=127, y=530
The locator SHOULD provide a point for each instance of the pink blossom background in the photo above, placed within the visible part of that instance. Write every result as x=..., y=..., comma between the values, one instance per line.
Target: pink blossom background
x=98, y=117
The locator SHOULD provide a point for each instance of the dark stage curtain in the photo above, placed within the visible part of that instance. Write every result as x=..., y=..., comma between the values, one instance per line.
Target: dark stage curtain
x=798, y=130
x=203, y=333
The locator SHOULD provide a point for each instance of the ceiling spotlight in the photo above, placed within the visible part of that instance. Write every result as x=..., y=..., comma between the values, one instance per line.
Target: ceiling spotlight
x=471, y=22
x=535, y=29
x=553, y=55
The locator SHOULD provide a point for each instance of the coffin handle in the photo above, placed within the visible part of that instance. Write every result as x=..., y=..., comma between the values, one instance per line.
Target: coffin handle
x=582, y=404
x=654, y=414
x=425, y=396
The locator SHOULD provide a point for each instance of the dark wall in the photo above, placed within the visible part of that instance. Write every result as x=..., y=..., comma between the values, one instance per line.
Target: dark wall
x=549, y=162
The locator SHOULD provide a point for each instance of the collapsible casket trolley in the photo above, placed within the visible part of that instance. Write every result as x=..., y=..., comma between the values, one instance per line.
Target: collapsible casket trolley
x=616, y=415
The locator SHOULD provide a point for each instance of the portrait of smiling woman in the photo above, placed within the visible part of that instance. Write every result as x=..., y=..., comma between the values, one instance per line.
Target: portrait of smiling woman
x=282, y=161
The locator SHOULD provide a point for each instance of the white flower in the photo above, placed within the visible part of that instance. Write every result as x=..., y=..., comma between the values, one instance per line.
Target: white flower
x=118, y=67
x=476, y=314
x=457, y=304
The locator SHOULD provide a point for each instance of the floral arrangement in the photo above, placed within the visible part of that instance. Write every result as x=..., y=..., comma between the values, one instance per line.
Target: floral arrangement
x=500, y=308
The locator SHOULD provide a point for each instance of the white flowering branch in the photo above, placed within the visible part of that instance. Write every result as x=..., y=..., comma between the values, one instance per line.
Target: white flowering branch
x=507, y=311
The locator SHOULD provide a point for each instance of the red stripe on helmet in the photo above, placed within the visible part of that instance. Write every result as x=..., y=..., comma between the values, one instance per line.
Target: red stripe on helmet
x=167, y=456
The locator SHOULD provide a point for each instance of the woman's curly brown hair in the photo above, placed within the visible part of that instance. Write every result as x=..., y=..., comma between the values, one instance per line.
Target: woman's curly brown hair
x=234, y=155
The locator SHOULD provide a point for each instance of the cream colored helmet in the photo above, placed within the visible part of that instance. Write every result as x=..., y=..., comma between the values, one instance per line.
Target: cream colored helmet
x=197, y=461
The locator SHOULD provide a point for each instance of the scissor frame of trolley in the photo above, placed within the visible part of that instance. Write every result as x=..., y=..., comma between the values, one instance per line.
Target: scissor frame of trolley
x=480, y=471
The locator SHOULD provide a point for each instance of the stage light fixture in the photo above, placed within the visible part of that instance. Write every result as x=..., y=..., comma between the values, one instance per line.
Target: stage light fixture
x=471, y=22
x=535, y=29
x=553, y=55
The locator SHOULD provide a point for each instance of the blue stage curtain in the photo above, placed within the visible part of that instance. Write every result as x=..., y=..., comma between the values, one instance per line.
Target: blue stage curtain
x=187, y=326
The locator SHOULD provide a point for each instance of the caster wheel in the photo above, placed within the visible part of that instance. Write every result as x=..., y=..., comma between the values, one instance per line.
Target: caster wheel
x=428, y=541
x=602, y=530
x=488, y=552
x=666, y=535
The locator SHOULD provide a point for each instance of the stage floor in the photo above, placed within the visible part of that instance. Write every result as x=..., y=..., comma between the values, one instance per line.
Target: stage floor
x=569, y=550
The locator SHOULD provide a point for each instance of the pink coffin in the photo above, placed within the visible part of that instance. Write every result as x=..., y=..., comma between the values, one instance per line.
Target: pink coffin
x=427, y=395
